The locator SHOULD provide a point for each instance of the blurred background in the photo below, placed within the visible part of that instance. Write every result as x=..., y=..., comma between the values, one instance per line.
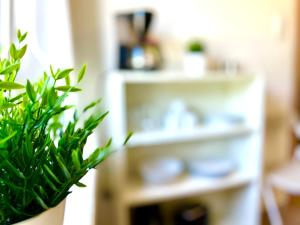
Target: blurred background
x=209, y=88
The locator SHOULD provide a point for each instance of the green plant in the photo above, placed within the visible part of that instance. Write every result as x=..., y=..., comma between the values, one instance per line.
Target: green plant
x=40, y=157
x=195, y=46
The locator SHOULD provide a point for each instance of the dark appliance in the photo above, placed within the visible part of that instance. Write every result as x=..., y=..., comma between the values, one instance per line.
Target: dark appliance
x=137, y=49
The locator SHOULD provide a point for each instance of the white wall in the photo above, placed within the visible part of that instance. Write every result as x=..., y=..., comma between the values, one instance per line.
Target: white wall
x=47, y=24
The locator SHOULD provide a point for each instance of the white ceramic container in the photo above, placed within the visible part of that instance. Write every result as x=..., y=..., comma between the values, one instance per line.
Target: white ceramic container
x=53, y=216
x=195, y=64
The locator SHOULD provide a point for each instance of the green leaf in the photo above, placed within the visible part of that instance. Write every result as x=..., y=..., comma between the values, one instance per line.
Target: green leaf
x=76, y=159
x=14, y=170
x=79, y=184
x=10, y=68
x=8, y=138
x=68, y=89
x=52, y=72
x=98, y=156
x=51, y=97
x=28, y=145
x=68, y=80
x=17, y=97
x=63, y=166
x=102, y=117
x=91, y=105
x=22, y=52
x=45, y=101
x=62, y=74
x=81, y=73
x=51, y=174
x=45, y=84
x=13, y=51
x=10, y=85
x=108, y=144
x=42, y=191
x=50, y=183
x=60, y=99
x=30, y=91
x=75, y=116
x=21, y=37
x=40, y=200
x=92, y=122
x=7, y=106
x=128, y=137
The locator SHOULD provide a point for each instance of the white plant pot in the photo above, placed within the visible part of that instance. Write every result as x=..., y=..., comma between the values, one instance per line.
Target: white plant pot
x=195, y=64
x=54, y=216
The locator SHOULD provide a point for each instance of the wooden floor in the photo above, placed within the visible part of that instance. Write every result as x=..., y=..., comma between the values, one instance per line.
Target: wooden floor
x=290, y=213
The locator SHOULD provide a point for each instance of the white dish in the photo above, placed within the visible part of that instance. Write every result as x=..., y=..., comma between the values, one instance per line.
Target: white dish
x=212, y=167
x=159, y=171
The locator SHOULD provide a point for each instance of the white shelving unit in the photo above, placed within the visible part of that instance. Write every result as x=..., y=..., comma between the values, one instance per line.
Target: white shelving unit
x=240, y=95
x=187, y=186
x=141, y=139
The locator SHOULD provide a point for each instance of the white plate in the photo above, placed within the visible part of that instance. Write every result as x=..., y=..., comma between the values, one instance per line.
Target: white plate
x=159, y=171
x=212, y=167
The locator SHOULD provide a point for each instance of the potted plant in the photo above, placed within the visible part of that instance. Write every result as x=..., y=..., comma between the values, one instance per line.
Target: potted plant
x=195, y=61
x=41, y=157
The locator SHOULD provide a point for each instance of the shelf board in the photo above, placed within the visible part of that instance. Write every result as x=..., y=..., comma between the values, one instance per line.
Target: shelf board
x=198, y=134
x=138, y=193
x=144, y=77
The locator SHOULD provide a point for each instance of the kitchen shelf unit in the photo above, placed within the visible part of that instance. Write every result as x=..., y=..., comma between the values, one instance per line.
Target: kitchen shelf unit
x=215, y=92
x=200, y=133
x=187, y=186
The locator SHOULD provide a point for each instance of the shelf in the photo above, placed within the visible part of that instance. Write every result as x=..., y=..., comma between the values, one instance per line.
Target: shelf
x=232, y=199
x=140, y=194
x=198, y=134
x=144, y=77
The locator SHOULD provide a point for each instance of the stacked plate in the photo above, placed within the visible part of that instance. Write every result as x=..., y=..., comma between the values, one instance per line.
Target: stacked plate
x=212, y=167
x=166, y=170
x=159, y=171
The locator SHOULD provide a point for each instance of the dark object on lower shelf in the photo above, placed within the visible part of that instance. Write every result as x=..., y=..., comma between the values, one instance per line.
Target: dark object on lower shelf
x=194, y=214
x=147, y=215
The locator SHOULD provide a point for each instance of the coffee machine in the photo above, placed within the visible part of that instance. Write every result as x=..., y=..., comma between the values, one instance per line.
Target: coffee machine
x=137, y=49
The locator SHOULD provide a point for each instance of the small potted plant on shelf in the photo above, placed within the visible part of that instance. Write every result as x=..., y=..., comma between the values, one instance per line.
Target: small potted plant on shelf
x=41, y=158
x=195, y=60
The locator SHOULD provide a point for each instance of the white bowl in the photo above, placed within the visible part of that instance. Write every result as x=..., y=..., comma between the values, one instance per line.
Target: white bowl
x=160, y=171
x=212, y=167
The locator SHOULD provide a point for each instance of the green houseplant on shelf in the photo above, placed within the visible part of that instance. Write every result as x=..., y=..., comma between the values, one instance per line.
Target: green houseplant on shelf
x=41, y=158
x=195, y=60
